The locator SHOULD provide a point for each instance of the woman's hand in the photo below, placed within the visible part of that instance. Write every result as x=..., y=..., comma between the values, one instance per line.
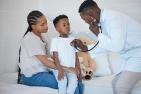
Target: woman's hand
x=69, y=69
x=77, y=72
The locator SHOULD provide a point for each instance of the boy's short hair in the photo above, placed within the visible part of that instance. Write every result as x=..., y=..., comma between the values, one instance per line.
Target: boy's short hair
x=56, y=20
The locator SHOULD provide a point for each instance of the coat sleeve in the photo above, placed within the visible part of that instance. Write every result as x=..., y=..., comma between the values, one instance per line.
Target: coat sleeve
x=115, y=39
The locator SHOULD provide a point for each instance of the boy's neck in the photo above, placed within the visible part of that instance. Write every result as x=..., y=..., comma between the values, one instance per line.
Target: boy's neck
x=64, y=35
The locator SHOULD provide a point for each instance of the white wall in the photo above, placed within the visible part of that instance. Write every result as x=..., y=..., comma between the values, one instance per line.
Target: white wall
x=13, y=24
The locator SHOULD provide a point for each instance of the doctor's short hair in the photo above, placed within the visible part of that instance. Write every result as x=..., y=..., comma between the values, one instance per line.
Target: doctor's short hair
x=87, y=4
x=58, y=18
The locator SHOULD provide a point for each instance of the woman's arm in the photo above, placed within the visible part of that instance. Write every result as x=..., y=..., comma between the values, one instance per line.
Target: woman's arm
x=45, y=61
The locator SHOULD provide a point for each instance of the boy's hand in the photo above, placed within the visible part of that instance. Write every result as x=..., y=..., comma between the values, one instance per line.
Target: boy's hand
x=60, y=74
x=77, y=71
x=79, y=76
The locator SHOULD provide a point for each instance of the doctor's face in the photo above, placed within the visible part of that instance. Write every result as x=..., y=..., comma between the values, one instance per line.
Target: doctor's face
x=88, y=19
x=91, y=16
x=92, y=20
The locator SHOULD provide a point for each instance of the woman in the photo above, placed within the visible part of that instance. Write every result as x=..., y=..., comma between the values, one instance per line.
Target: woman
x=34, y=63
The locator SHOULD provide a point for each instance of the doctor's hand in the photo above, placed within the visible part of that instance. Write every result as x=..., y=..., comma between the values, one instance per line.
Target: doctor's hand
x=94, y=28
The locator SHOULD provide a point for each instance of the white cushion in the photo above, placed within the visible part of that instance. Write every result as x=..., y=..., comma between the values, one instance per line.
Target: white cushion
x=98, y=85
x=7, y=88
x=8, y=85
x=102, y=65
x=103, y=85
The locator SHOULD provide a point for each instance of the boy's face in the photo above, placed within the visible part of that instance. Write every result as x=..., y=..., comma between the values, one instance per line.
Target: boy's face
x=63, y=26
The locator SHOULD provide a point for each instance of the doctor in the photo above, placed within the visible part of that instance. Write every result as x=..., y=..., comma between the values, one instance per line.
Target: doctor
x=116, y=32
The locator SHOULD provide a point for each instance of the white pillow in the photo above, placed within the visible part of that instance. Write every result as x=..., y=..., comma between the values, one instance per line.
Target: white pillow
x=102, y=65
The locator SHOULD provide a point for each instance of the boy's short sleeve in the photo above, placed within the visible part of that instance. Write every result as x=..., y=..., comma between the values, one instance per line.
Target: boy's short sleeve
x=53, y=46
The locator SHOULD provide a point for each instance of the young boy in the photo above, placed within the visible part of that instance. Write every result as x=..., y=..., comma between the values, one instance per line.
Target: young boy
x=64, y=55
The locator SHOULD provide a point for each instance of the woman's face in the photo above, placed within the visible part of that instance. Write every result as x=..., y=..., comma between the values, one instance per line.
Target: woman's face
x=41, y=25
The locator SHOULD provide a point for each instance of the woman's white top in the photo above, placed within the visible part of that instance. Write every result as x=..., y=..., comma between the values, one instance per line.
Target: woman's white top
x=31, y=45
x=66, y=53
x=122, y=34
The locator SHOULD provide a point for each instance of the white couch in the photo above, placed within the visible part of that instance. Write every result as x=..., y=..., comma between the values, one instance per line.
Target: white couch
x=110, y=64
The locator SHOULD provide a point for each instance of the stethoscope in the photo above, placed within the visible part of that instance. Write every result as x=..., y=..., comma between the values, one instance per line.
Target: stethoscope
x=93, y=21
x=87, y=49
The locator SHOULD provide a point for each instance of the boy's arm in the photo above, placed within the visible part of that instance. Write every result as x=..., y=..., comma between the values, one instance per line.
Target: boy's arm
x=77, y=67
x=58, y=66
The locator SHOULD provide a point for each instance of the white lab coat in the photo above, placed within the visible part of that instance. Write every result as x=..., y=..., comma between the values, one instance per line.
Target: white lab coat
x=121, y=34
